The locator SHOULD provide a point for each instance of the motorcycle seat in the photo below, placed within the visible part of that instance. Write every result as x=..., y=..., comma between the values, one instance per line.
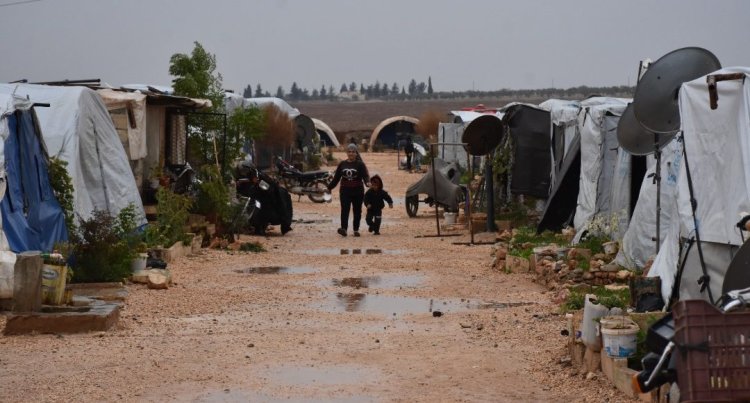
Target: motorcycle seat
x=313, y=174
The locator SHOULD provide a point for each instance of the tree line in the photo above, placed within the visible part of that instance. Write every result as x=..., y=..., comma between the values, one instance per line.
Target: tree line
x=422, y=90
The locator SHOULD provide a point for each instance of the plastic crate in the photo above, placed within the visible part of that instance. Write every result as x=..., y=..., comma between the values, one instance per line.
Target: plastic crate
x=721, y=370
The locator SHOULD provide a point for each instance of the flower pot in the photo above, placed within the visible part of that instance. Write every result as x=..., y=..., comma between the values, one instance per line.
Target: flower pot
x=139, y=262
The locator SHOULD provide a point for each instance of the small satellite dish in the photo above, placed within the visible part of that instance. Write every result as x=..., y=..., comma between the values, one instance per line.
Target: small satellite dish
x=483, y=134
x=655, y=103
x=635, y=139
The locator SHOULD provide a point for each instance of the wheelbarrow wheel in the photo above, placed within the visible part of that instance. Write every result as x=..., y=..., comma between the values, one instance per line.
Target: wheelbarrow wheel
x=412, y=205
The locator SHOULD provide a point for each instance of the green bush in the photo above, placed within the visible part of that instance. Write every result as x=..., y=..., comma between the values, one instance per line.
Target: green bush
x=172, y=214
x=62, y=187
x=608, y=298
x=213, y=194
x=101, y=247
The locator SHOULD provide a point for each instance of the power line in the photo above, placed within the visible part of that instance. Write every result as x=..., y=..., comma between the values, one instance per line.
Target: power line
x=18, y=2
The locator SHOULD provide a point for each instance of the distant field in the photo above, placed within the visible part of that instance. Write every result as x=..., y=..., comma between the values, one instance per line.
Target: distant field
x=360, y=118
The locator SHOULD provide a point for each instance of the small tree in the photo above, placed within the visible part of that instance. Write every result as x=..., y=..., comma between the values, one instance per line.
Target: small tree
x=343, y=88
x=247, y=92
x=195, y=77
x=429, y=85
x=258, y=91
x=280, y=92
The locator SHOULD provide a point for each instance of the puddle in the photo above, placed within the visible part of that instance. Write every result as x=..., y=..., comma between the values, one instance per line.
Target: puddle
x=276, y=270
x=398, y=305
x=389, y=282
x=355, y=251
x=231, y=395
x=65, y=309
x=321, y=375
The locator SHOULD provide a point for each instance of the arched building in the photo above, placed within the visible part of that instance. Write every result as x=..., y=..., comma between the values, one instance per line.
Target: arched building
x=388, y=130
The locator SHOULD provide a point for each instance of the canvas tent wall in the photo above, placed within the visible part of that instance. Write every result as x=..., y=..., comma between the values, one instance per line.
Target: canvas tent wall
x=452, y=133
x=391, y=130
x=605, y=188
x=78, y=129
x=32, y=219
x=638, y=243
x=717, y=144
x=327, y=136
x=564, y=121
x=529, y=128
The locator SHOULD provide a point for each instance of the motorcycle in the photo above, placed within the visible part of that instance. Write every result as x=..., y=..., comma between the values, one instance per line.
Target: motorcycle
x=313, y=184
x=182, y=179
x=264, y=202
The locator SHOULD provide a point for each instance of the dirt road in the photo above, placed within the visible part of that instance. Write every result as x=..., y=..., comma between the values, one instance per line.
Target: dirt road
x=338, y=320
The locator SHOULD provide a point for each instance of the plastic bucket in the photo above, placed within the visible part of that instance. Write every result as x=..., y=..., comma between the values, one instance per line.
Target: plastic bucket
x=139, y=262
x=620, y=341
x=450, y=218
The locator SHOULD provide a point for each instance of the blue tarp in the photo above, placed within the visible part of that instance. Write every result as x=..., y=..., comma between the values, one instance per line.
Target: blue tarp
x=32, y=217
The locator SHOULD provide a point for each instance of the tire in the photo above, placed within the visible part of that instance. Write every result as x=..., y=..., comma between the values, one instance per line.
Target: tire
x=322, y=186
x=412, y=205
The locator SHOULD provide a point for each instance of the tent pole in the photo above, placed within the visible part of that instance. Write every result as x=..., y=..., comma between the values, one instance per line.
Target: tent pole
x=434, y=188
x=657, y=181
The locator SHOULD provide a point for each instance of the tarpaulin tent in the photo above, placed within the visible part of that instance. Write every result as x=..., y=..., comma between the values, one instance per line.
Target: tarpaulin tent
x=717, y=144
x=529, y=128
x=605, y=187
x=564, y=120
x=391, y=130
x=31, y=216
x=327, y=136
x=78, y=129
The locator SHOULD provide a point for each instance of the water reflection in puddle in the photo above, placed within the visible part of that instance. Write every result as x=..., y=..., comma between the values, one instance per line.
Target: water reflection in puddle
x=354, y=251
x=390, y=281
x=230, y=395
x=399, y=305
x=320, y=375
x=276, y=270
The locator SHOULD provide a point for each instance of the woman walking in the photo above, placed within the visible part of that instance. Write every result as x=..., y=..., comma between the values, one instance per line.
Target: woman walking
x=353, y=175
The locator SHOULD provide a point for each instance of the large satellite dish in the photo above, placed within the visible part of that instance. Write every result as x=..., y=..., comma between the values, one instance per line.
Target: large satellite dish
x=483, y=134
x=655, y=101
x=635, y=139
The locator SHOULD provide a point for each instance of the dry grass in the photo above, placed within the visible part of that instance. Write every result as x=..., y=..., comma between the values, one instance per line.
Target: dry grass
x=429, y=123
x=279, y=128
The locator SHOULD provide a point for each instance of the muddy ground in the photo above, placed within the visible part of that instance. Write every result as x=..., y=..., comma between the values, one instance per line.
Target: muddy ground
x=343, y=320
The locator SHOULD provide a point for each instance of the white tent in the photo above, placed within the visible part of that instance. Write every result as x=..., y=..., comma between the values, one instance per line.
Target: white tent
x=78, y=129
x=717, y=143
x=637, y=243
x=605, y=168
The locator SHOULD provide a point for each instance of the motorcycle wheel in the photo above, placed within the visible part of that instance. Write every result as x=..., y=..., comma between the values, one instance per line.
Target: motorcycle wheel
x=320, y=188
x=412, y=205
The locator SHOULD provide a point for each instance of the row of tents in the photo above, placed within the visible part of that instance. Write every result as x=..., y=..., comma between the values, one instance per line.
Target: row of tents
x=567, y=153
x=112, y=140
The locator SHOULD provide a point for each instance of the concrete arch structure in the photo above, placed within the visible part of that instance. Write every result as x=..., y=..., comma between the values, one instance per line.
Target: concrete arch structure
x=327, y=136
x=386, y=131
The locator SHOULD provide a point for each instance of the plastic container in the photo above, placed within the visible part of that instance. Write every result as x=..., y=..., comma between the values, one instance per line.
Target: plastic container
x=139, y=262
x=619, y=336
x=589, y=326
x=713, y=358
x=450, y=218
x=53, y=283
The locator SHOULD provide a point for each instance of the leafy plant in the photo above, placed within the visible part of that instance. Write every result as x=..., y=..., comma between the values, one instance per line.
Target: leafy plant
x=213, y=194
x=606, y=297
x=172, y=213
x=101, y=250
x=62, y=187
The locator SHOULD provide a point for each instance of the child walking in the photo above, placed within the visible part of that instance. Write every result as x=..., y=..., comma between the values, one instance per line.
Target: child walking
x=375, y=199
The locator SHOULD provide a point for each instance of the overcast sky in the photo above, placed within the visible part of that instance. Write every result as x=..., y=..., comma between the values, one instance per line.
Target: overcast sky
x=481, y=44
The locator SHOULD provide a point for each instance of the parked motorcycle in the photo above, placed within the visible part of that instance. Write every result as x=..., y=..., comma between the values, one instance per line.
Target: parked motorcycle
x=313, y=184
x=182, y=179
x=264, y=202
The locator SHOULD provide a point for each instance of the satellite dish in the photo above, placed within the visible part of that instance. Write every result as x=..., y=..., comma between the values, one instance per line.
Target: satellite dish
x=737, y=276
x=483, y=134
x=635, y=139
x=655, y=101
